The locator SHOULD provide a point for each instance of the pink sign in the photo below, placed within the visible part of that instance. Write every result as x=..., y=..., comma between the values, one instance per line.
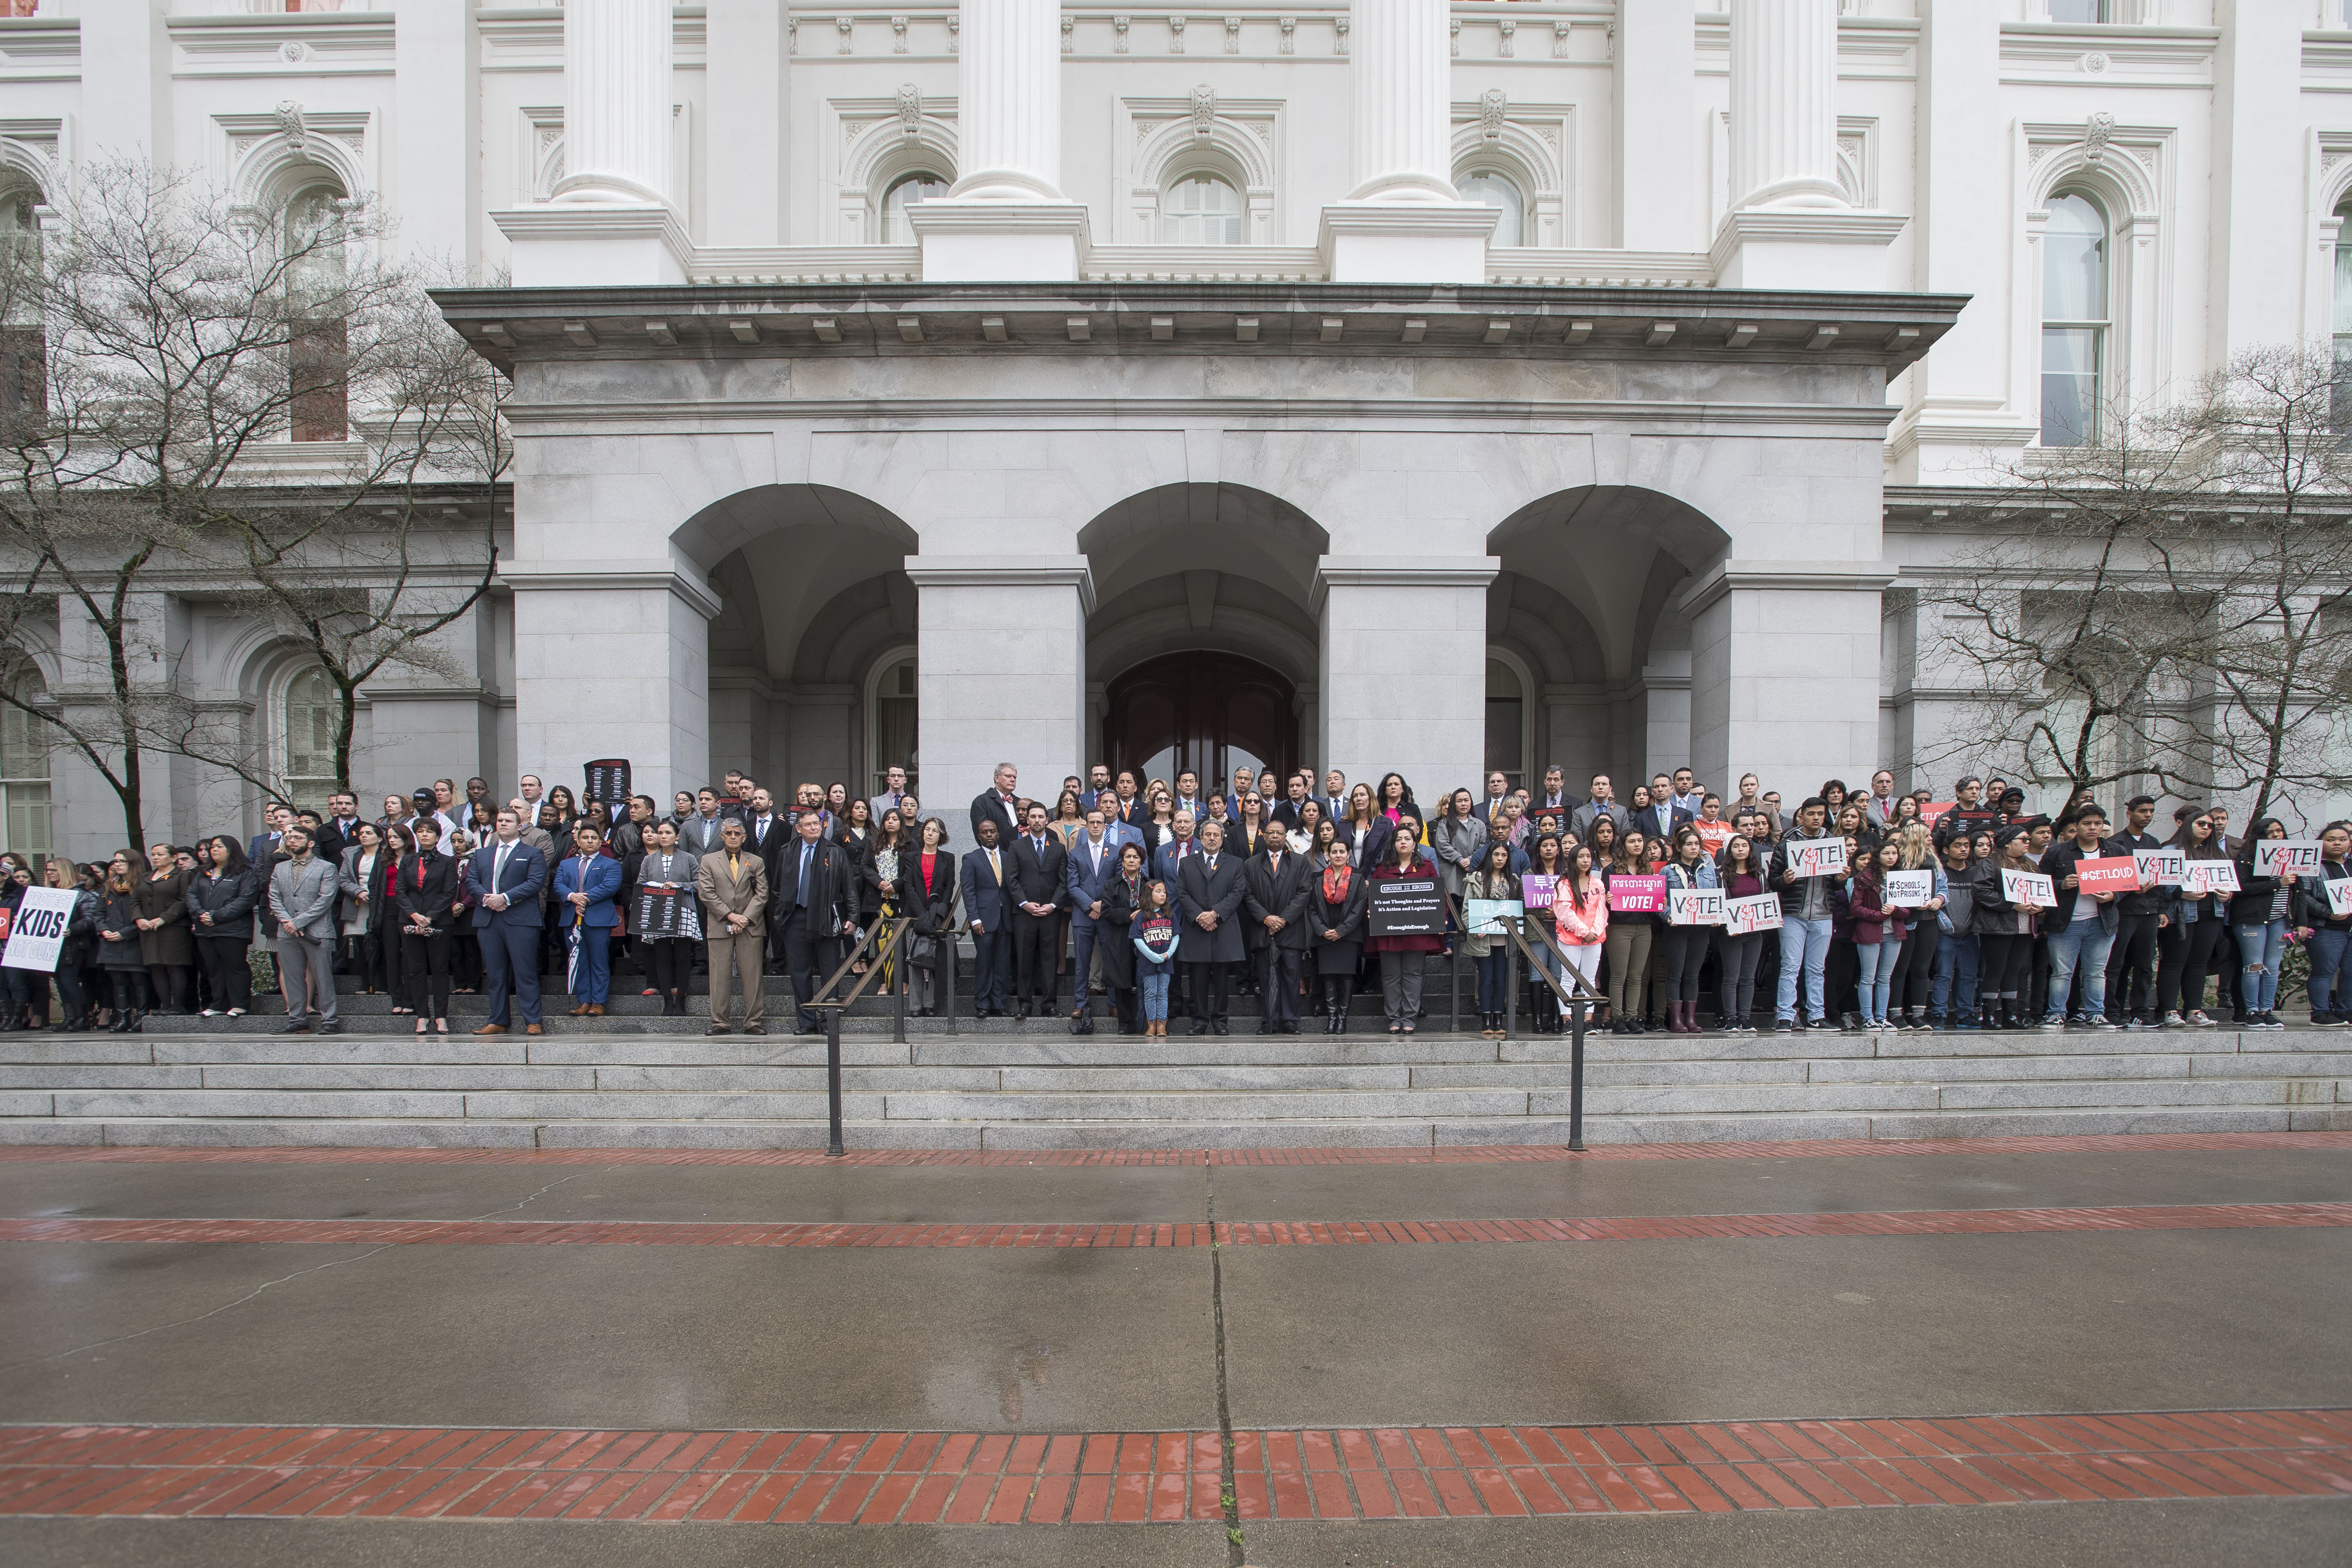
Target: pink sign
x=1535, y=890
x=1637, y=895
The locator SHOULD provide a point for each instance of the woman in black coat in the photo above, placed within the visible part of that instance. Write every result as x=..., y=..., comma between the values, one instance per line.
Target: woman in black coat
x=425, y=900
x=221, y=896
x=1337, y=908
x=1122, y=896
x=117, y=946
x=926, y=884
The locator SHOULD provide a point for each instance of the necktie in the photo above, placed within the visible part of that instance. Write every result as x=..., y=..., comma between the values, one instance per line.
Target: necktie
x=996, y=866
x=499, y=865
x=1213, y=865
x=735, y=867
x=802, y=898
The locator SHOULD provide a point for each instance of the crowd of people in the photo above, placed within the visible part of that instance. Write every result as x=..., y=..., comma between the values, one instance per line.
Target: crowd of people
x=1168, y=902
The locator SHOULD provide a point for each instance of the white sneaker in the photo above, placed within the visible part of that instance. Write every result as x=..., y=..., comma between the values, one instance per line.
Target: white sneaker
x=208, y=1012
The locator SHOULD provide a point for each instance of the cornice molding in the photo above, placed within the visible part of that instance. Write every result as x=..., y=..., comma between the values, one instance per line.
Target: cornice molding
x=1838, y=576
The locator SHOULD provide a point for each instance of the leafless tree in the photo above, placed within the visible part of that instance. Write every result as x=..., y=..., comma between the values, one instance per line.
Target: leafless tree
x=187, y=344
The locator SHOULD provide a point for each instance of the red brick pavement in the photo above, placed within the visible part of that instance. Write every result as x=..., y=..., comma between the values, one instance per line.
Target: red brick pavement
x=976, y=1478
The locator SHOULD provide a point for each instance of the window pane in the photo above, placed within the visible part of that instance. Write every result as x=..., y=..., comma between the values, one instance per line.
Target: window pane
x=24, y=748
x=1499, y=192
x=2343, y=280
x=1202, y=210
x=2074, y=262
x=909, y=190
x=1503, y=737
x=2078, y=10
x=310, y=723
x=2070, y=385
x=25, y=821
x=896, y=719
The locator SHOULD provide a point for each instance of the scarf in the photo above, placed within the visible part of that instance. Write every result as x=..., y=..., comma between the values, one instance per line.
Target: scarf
x=1335, y=880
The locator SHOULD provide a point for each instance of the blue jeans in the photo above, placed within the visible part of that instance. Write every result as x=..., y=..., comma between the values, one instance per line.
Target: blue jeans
x=1804, y=945
x=1878, y=961
x=1954, y=989
x=1152, y=978
x=2259, y=949
x=2329, y=981
x=1493, y=980
x=2079, y=949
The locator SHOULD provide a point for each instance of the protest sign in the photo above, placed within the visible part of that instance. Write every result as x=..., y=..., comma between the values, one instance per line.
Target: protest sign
x=1637, y=895
x=1909, y=890
x=1816, y=857
x=39, y=930
x=2165, y=866
x=2201, y=877
x=608, y=782
x=1408, y=906
x=1486, y=915
x=2339, y=897
x=1694, y=907
x=1536, y=890
x=2107, y=874
x=2028, y=887
x=1742, y=917
x=2280, y=857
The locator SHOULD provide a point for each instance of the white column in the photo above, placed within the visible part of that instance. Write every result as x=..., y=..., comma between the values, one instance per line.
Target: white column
x=1006, y=219
x=1399, y=118
x=1402, y=223
x=1009, y=104
x=1791, y=226
x=1402, y=686
x=1784, y=103
x=748, y=102
x=2258, y=212
x=616, y=70
x=1662, y=203
x=1001, y=651
x=611, y=220
x=437, y=183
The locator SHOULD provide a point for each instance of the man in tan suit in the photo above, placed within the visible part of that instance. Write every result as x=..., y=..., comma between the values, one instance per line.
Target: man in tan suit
x=732, y=883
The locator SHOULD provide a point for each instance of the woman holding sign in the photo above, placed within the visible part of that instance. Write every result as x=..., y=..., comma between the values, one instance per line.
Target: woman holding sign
x=1879, y=931
x=2197, y=915
x=1402, y=956
x=2258, y=918
x=1579, y=907
x=2329, y=938
x=1336, y=909
x=2004, y=927
x=1741, y=875
x=1688, y=871
x=1491, y=882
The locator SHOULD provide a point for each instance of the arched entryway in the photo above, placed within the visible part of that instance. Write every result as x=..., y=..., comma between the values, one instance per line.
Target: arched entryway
x=1205, y=710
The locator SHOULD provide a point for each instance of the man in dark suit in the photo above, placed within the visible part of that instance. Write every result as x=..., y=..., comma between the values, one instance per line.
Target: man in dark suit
x=1283, y=813
x=767, y=835
x=999, y=806
x=987, y=906
x=504, y=878
x=1036, y=869
x=263, y=850
x=1662, y=816
x=1276, y=884
x=1097, y=791
x=1210, y=891
x=1093, y=862
x=340, y=829
x=815, y=899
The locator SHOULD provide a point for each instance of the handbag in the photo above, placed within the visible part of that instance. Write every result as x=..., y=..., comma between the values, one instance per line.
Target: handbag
x=923, y=952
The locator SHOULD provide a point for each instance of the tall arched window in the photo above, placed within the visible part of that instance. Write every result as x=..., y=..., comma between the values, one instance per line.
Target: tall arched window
x=1501, y=192
x=892, y=726
x=2340, y=402
x=2073, y=319
x=24, y=772
x=2079, y=12
x=905, y=191
x=1201, y=209
x=24, y=357
x=306, y=724
x=320, y=395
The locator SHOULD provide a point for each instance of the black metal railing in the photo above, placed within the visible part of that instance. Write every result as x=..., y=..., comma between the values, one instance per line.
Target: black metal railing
x=883, y=941
x=1577, y=997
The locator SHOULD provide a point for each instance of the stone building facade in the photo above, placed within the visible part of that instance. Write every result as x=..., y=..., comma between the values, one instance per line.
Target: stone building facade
x=1384, y=384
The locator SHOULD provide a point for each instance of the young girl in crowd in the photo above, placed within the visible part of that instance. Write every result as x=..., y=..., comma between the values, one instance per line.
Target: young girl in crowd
x=1740, y=874
x=1688, y=870
x=1491, y=882
x=1154, y=935
x=1877, y=931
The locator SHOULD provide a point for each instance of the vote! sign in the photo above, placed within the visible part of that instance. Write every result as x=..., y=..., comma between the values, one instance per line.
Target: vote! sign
x=1637, y=895
x=2339, y=897
x=2165, y=868
x=39, y=930
x=2281, y=857
x=2201, y=877
x=1909, y=890
x=1816, y=857
x=1743, y=917
x=1694, y=907
x=2107, y=874
x=2028, y=887
x=1536, y=890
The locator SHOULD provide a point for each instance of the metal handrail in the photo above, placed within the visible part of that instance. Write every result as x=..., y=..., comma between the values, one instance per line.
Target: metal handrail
x=1577, y=1004
x=883, y=939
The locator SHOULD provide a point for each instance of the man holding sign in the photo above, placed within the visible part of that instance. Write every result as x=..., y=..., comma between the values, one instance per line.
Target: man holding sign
x=1805, y=867
x=2086, y=881
x=2140, y=915
x=2327, y=907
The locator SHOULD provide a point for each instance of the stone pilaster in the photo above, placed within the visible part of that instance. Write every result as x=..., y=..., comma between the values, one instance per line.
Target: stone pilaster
x=1007, y=220
x=1001, y=652
x=1404, y=680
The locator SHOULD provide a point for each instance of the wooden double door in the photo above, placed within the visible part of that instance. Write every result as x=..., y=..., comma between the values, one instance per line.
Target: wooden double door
x=1211, y=712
